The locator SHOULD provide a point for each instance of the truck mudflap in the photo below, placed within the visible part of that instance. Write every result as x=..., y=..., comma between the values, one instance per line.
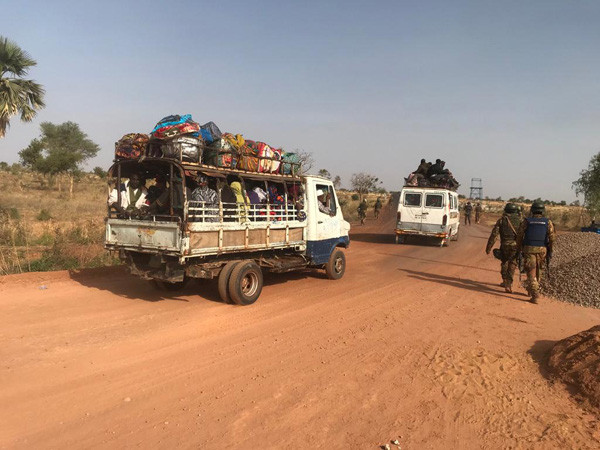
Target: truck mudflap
x=139, y=235
x=319, y=251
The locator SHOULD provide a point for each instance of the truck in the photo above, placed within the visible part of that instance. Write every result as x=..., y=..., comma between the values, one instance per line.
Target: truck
x=427, y=212
x=232, y=241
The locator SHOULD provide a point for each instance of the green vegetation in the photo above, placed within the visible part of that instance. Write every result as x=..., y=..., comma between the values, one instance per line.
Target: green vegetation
x=17, y=95
x=588, y=184
x=44, y=215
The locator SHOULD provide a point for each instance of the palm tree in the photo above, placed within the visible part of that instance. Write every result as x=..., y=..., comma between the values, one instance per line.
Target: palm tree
x=17, y=96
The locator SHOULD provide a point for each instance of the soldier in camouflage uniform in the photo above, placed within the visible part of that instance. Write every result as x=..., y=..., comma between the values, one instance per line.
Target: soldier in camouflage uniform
x=535, y=238
x=506, y=227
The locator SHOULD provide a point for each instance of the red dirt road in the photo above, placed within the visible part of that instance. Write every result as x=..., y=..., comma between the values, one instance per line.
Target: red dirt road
x=415, y=343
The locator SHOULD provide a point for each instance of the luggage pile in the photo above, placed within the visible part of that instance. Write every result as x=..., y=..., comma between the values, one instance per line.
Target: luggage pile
x=432, y=175
x=179, y=137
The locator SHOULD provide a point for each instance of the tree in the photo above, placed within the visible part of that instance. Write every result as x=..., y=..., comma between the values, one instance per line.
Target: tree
x=364, y=183
x=60, y=149
x=588, y=184
x=324, y=173
x=306, y=161
x=337, y=182
x=17, y=95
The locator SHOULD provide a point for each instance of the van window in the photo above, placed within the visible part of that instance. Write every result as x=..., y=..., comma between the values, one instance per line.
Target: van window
x=434, y=200
x=412, y=199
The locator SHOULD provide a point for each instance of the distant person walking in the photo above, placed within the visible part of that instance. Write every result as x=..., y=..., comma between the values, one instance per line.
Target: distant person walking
x=478, y=212
x=468, y=212
x=362, y=211
x=535, y=238
x=506, y=227
x=377, y=207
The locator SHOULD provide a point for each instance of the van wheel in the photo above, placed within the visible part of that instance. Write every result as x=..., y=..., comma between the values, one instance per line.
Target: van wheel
x=245, y=283
x=455, y=235
x=336, y=266
x=223, y=282
x=166, y=286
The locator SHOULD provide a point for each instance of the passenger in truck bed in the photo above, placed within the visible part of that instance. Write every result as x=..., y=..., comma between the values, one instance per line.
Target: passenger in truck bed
x=155, y=191
x=204, y=193
x=133, y=196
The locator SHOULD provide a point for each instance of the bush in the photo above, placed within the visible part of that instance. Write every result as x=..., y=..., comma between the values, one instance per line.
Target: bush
x=99, y=171
x=355, y=197
x=44, y=215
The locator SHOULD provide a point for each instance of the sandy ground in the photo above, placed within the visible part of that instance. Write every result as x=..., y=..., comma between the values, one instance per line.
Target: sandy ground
x=416, y=343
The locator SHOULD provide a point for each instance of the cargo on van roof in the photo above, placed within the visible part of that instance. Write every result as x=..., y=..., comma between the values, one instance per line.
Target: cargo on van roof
x=432, y=175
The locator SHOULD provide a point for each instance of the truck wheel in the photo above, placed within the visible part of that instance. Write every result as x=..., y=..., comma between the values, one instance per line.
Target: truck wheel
x=245, y=283
x=223, y=282
x=336, y=266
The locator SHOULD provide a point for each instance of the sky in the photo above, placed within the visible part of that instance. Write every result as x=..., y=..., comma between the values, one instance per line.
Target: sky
x=505, y=91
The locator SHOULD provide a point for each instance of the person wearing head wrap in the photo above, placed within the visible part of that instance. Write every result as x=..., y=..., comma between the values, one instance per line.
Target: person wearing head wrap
x=209, y=200
x=241, y=199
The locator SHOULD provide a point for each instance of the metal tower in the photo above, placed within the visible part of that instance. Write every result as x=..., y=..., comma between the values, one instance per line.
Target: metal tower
x=476, y=189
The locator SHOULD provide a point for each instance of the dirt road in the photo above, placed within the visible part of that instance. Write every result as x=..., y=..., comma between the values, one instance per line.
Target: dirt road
x=415, y=343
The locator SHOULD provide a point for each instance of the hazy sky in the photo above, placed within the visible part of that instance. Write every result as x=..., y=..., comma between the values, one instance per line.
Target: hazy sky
x=507, y=91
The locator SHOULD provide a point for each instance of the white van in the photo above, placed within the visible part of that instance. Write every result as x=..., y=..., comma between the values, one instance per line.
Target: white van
x=427, y=211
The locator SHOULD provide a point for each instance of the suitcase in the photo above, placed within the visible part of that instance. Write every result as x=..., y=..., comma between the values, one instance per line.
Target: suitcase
x=183, y=148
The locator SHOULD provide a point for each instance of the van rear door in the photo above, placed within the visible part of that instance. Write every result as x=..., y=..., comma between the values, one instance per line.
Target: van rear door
x=434, y=210
x=411, y=210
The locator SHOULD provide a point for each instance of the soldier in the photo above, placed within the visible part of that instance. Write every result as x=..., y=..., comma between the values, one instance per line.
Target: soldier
x=377, y=207
x=478, y=211
x=468, y=211
x=362, y=211
x=535, y=238
x=506, y=227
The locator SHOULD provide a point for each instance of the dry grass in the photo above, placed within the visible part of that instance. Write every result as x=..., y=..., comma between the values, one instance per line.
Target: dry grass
x=349, y=202
x=42, y=228
x=570, y=218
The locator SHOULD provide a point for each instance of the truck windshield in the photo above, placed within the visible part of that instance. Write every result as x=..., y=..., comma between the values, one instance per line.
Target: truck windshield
x=412, y=199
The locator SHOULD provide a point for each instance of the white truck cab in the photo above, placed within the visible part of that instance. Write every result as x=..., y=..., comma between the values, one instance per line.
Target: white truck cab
x=427, y=211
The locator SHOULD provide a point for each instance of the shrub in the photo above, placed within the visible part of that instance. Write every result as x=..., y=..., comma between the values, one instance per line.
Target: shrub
x=355, y=197
x=44, y=215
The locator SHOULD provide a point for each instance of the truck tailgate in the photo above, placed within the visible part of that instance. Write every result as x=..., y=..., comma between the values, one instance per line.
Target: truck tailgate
x=143, y=234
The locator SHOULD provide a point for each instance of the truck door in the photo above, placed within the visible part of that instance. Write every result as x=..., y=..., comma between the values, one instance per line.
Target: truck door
x=325, y=223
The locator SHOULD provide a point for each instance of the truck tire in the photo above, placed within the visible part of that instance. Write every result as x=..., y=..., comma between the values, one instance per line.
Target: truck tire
x=223, y=282
x=336, y=266
x=245, y=282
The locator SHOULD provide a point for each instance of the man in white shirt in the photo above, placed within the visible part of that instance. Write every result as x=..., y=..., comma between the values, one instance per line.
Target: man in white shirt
x=133, y=195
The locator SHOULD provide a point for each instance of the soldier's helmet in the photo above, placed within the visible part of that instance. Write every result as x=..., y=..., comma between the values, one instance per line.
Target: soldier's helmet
x=538, y=208
x=511, y=208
